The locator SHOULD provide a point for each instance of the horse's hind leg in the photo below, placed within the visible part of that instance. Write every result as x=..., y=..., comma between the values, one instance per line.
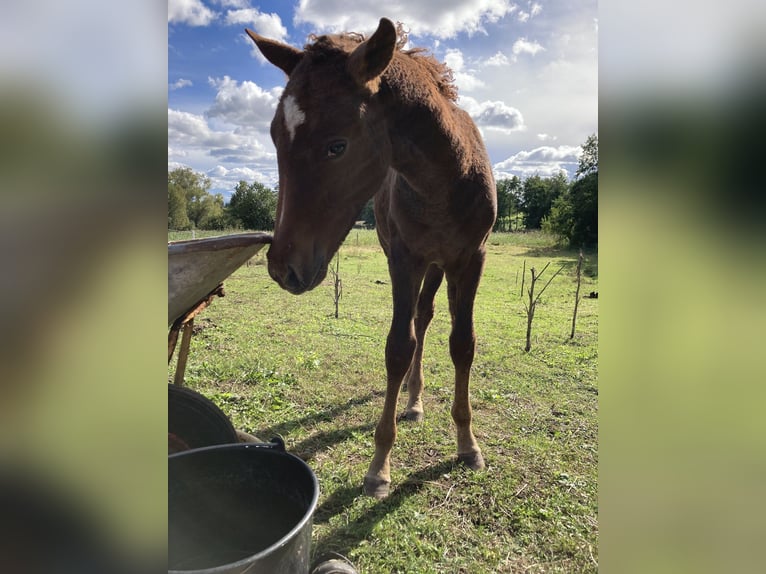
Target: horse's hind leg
x=413, y=382
x=461, y=291
x=406, y=277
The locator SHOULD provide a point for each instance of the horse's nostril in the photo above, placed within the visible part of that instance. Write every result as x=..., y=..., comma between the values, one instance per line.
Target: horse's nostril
x=292, y=280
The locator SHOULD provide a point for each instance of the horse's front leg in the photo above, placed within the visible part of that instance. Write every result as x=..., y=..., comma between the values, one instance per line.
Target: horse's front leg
x=461, y=291
x=406, y=276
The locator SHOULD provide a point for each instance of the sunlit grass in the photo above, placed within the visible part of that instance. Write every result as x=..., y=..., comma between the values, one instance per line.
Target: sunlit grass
x=280, y=364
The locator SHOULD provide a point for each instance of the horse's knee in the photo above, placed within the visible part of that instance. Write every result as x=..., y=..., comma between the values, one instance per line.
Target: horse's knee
x=462, y=347
x=400, y=347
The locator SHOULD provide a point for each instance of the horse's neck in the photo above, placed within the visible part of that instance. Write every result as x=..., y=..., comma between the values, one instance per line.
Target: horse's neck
x=424, y=145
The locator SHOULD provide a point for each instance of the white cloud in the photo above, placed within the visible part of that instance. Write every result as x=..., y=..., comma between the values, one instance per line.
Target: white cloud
x=454, y=59
x=269, y=25
x=544, y=160
x=546, y=137
x=246, y=105
x=185, y=126
x=439, y=18
x=524, y=46
x=467, y=82
x=557, y=89
x=546, y=154
x=533, y=10
x=464, y=79
x=493, y=115
x=499, y=59
x=227, y=178
x=191, y=12
x=233, y=3
x=193, y=142
x=180, y=83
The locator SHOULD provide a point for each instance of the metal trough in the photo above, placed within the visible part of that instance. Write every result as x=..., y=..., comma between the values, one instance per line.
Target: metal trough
x=197, y=266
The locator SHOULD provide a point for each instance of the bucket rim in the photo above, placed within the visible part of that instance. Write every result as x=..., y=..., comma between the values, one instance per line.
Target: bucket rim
x=275, y=448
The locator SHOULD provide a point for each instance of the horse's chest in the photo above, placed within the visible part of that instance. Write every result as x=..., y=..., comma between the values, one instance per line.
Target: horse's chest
x=428, y=229
x=432, y=223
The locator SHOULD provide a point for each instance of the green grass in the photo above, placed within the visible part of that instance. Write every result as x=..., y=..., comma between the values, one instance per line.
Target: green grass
x=280, y=364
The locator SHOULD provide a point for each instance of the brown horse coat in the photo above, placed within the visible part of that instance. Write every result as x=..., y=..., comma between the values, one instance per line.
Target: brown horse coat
x=361, y=118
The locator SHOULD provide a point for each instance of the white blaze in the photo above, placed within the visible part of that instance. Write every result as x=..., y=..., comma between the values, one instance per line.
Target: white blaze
x=294, y=116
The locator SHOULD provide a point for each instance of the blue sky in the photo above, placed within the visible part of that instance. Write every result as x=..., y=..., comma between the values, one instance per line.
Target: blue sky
x=526, y=71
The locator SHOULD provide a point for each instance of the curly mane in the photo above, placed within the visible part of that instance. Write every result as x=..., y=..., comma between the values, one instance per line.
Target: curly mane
x=327, y=45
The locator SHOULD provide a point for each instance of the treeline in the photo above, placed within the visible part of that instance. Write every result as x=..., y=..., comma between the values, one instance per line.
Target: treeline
x=192, y=206
x=565, y=208
x=568, y=209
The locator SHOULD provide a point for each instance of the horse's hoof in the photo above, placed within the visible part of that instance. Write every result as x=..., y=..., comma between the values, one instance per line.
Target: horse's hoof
x=472, y=460
x=376, y=487
x=413, y=416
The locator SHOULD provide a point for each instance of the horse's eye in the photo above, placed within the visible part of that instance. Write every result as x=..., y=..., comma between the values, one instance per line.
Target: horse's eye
x=336, y=149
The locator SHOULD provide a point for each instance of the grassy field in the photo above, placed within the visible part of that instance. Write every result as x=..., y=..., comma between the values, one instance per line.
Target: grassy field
x=280, y=364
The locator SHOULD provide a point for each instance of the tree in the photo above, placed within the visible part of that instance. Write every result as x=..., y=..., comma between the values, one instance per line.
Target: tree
x=177, y=216
x=253, y=206
x=538, y=195
x=212, y=213
x=588, y=157
x=574, y=215
x=560, y=221
x=584, y=197
x=189, y=203
x=508, y=191
x=368, y=214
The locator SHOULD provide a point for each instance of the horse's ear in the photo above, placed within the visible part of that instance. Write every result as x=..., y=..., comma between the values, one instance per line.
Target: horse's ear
x=281, y=55
x=370, y=59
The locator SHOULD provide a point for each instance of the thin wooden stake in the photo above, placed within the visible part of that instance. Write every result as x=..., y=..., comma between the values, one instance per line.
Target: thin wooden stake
x=523, y=276
x=577, y=295
x=338, y=283
x=533, y=300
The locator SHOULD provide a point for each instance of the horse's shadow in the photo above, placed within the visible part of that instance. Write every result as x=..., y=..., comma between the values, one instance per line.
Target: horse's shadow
x=329, y=414
x=340, y=541
x=309, y=447
x=347, y=537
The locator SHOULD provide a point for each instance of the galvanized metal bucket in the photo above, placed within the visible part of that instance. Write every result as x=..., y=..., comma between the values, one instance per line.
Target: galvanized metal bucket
x=240, y=508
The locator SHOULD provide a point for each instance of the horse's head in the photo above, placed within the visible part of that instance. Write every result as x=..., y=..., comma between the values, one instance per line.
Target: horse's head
x=330, y=146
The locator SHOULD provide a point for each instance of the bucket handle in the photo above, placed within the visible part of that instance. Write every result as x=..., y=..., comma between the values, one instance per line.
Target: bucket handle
x=276, y=443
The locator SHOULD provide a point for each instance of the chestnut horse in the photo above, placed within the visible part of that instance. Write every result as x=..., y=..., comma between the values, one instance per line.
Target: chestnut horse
x=362, y=118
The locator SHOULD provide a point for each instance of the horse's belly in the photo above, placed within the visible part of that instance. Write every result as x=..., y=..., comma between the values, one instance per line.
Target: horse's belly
x=431, y=226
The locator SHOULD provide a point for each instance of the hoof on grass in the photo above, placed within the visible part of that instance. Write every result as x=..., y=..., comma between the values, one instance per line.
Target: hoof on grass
x=413, y=416
x=472, y=460
x=376, y=487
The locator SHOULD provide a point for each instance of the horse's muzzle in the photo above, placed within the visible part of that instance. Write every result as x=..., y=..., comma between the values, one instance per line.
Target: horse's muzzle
x=297, y=277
